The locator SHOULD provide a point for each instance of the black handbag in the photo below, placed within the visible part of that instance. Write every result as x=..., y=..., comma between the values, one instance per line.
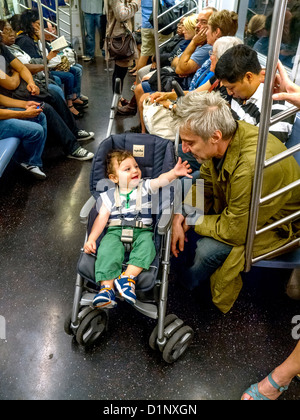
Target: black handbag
x=120, y=47
x=165, y=20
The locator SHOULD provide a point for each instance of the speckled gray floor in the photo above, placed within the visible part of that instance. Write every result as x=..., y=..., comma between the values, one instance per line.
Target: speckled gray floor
x=40, y=241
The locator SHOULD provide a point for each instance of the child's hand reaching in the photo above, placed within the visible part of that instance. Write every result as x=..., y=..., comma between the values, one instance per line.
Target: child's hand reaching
x=182, y=168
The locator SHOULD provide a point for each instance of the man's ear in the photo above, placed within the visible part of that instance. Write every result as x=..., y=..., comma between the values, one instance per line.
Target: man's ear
x=216, y=137
x=249, y=76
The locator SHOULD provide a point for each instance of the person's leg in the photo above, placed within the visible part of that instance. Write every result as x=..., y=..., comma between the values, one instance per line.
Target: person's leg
x=77, y=73
x=107, y=267
x=57, y=89
x=90, y=35
x=32, y=133
x=60, y=131
x=63, y=110
x=68, y=80
x=141, y=256
x=282, y=375
x=119, y=73
x=210, y=254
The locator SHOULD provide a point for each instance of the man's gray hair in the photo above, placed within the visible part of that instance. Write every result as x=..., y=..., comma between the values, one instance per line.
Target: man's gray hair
x=224, y=43
x=204, y=113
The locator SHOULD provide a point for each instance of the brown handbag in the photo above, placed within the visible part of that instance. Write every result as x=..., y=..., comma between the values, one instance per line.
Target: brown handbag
x=120, y=47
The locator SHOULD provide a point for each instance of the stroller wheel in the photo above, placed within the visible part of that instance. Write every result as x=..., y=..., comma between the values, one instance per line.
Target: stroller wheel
x=67, y=325
x=91, y=327
x=177, y=344
x=153, y=337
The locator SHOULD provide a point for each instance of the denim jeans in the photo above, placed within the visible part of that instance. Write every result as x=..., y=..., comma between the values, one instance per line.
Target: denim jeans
x=76, y=70
x=201, y=258
x=92, y=22
x=67, y=79
x=33, y=134
x=56, y=88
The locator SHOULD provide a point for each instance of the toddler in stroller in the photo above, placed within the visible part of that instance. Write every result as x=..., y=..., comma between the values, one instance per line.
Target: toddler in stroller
x=87, y=322
x=126, y=209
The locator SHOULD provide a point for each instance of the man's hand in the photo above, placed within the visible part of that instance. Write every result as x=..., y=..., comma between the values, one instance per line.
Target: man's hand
x=32, y=111
x=33, y=89
x=200, y=38
x=178, y=234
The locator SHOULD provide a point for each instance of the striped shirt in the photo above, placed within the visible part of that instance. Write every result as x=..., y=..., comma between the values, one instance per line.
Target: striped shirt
x=250, y=111
x=128, y=203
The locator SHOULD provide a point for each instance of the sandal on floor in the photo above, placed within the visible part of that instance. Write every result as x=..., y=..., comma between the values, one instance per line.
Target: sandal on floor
x=257, y=396
x=79, y=114
x=82, y=103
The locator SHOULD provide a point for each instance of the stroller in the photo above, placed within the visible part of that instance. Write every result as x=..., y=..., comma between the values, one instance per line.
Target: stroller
x=87, y=323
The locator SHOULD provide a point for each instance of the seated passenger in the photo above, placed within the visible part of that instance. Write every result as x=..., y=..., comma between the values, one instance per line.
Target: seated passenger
x=290, y=39
x=227, y=151
x=119, y=204
x=26, y=121
x=29, y=41
x=61, y=124
x=197, y=56
x=219, y=48
x=35, y=66
x=223, y=23
x=240, y=73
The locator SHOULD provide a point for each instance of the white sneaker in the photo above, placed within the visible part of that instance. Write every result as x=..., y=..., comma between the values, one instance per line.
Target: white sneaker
x=83, y=135
x=34, y=170
x=81, y=154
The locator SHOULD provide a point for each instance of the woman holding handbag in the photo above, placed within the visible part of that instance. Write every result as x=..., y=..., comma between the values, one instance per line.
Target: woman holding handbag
x=119, y=16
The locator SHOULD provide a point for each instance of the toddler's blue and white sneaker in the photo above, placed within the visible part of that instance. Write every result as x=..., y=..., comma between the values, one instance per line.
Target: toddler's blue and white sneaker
x=126, y=288
x=106, y=298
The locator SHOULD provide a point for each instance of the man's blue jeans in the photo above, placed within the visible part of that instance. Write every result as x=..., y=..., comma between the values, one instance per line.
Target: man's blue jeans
x=33, y=134
x=200, y=259
x=92, y=22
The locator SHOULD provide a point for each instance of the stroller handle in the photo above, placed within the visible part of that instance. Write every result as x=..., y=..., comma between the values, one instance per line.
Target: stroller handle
x=178, y=89
x=118, y=89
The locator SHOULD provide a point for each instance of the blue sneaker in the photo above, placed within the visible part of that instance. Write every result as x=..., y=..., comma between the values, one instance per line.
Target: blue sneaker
x=106, y=298
x=126, y=287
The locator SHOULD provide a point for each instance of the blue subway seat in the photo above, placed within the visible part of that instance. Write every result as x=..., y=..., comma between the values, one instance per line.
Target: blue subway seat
x=7, y=150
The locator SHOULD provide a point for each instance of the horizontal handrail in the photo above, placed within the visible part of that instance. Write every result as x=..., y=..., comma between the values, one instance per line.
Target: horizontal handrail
x=175, y=7
x=279, y=251
x=279, y=192
x=289, y=218
x=282, y=155
x=177, y=20
x=283, y=115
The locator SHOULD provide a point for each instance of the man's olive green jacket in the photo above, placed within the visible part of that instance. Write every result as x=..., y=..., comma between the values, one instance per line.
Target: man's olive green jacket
x=227, y=197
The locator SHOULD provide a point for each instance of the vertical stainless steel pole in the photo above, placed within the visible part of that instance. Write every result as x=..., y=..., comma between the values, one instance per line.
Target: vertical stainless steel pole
x=45, y=62
x=155, y=23
x=273, y=55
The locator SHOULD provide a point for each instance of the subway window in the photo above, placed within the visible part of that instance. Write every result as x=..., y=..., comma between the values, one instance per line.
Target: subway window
x=257, y=28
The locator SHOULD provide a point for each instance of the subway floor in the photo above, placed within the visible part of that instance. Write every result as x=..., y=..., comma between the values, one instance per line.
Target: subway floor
x=40, y=242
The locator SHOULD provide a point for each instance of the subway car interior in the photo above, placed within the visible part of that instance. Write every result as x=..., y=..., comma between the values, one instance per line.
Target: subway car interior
x=174, y=343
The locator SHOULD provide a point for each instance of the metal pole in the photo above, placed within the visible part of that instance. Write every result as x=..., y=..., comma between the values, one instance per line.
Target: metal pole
x=157, y=54
x=57, y=18
x=45, y=62
x=274, y=49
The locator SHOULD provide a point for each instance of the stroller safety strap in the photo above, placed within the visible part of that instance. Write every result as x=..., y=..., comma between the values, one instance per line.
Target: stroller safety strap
x=138, y=197
x=128, y=223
